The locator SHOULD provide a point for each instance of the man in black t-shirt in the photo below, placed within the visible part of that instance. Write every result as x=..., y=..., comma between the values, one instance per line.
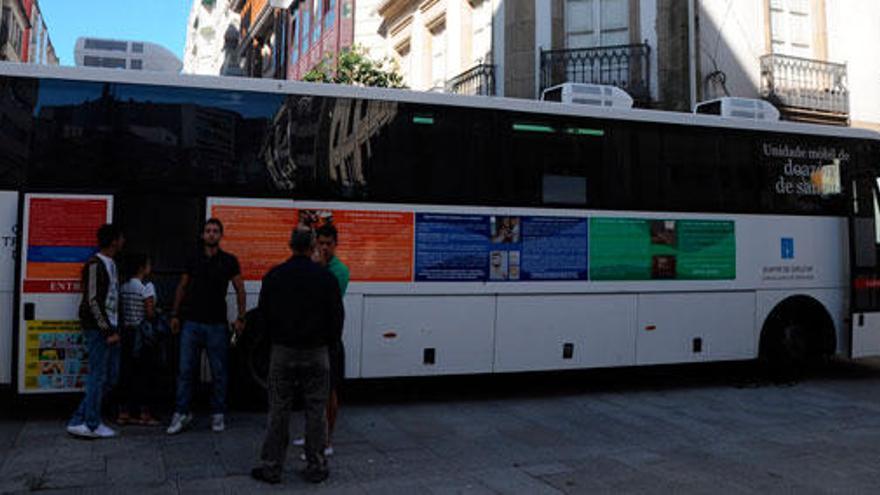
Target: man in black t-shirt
x=200, y=302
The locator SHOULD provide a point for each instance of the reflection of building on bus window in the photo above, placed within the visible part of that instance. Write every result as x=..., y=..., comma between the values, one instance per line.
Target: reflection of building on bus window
x=345, y=126
x=663, y=232
x=505, y=230
x=498, y=265
x=352, y=124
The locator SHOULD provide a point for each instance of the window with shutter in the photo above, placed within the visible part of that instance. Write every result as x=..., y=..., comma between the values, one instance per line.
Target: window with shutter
x=791, y=27
x=591, y=23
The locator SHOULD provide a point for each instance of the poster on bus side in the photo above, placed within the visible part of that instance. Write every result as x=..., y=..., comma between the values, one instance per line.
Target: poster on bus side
x=403, y=246
x=376, y=245
x=662, y=249
x=55, y=356
x=453, y=247
x=59, y=236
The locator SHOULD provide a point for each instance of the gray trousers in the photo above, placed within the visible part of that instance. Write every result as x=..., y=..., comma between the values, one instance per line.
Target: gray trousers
x=293, y=371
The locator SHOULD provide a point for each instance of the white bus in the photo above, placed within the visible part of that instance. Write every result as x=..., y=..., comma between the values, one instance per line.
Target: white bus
x=484, y=235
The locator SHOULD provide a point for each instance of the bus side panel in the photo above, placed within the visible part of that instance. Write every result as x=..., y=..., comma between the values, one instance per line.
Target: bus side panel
x=8, y=221
x=427, y=335
x=692, y=327
x=564, y=331
x=352, y=338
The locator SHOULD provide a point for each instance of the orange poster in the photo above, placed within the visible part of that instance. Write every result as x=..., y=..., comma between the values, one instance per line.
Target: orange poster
x=377, y=246
x=257, y=236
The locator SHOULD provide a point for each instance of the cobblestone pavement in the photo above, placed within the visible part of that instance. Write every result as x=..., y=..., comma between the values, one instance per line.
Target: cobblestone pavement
x=693, y=429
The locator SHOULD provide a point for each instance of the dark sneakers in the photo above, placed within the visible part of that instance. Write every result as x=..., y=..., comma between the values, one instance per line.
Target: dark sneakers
x=266, y=475
x=314, y=473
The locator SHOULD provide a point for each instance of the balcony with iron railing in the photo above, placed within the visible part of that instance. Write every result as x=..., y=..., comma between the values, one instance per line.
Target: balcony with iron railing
x=805, y=89
x=478, y=80
x=624, y=66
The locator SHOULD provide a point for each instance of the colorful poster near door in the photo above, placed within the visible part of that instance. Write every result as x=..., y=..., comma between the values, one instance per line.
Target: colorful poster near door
x=60, y=238
x=55, y=358
x=258, y=236
x=451, y=247
x=377, y=246
x=660, y=249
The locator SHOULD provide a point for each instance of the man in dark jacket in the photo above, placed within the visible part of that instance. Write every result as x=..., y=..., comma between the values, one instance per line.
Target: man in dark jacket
x=99, y=315
x=303, y=313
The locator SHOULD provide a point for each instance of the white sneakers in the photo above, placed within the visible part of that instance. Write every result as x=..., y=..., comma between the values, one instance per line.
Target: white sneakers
x=217, y=423
x=83, y=431
x=328, y=452
x=178, y=423
x=301, y=442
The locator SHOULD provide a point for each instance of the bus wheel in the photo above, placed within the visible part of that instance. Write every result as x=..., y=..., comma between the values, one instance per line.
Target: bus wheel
x=797, y=335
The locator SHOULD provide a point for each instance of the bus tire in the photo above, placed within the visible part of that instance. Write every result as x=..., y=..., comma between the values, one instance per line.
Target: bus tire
x=796, y=336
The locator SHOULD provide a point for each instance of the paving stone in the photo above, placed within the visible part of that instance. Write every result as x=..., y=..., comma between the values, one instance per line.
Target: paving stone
x=135, y=469
x=513, y=480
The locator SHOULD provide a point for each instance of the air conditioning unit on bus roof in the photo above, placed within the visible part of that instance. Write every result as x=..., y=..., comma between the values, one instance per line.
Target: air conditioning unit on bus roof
x=588, y=94
x=742, y=108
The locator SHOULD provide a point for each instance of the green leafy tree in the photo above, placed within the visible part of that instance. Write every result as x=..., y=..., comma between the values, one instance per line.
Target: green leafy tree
x=354, y=66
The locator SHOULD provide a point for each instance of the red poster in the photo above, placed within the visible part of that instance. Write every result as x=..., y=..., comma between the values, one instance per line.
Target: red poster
x=65, y=221
x=60, y=237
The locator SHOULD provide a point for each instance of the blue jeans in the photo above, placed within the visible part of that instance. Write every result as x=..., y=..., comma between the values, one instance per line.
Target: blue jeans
x=89, y=410
x=193, y=338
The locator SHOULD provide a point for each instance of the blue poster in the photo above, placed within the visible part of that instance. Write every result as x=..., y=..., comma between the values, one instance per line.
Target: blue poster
x=451, y=247
x=553, y=248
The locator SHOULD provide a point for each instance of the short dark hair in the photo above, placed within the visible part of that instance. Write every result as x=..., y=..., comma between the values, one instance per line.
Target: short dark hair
x=108, y=233
x=328, y=230
x=133, y=262
x=301, y=240
x=215, y=221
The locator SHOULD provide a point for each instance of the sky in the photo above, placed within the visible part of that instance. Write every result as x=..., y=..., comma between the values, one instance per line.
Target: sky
x=158, y=21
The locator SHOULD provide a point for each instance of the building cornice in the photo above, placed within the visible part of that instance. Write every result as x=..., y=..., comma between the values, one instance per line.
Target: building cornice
x=402, y=25
x=392, y=8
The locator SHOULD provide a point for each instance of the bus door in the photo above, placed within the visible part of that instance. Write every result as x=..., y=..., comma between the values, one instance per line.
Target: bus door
x=57, y=237
x=8, y=236
x=865, y=263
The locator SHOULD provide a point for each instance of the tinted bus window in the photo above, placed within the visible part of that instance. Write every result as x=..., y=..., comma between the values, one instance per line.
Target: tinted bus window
x=550, y=160
x=429, y=154
x=18, y=97
x=114, y=135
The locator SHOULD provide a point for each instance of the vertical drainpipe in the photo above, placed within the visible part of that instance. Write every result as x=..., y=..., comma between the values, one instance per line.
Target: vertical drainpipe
x=283, y=43
x=692, y=53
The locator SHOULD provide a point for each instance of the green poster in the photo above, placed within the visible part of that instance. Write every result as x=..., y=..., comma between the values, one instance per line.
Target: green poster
x=642, y=249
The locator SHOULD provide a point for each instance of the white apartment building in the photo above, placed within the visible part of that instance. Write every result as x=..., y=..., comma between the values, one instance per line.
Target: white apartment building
x=433, y=41
x=814, y=59
x=120, y=54
x=212, y=38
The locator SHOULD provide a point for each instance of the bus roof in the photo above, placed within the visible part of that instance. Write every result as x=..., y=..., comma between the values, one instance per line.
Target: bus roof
x=409, y=96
